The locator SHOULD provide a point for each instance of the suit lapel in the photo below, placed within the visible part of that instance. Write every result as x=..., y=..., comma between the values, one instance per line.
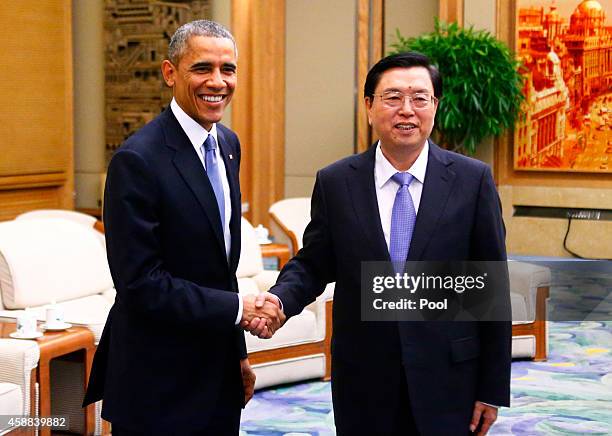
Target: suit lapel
x=190, y=167
x=232, y=176
x=360, y=183
x=436, y=190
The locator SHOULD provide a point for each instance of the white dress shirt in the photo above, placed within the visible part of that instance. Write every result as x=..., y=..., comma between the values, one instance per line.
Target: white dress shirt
x=387, y=188
x=197, y=135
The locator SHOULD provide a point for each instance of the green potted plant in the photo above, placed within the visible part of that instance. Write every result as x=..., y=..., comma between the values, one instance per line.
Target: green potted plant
x=482, y=84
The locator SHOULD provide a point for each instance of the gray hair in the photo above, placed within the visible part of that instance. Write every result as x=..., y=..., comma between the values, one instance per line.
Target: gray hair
x=179, y=40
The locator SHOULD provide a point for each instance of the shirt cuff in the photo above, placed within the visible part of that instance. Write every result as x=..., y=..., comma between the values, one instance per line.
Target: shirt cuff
x=239, y=316
x=280, y=302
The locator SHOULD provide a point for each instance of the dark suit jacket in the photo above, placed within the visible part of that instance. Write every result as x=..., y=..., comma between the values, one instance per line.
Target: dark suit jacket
x=447, y=365
x=170, y=351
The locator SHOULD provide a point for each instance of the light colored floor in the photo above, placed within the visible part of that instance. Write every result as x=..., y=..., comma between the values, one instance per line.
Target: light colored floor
x=570, y=394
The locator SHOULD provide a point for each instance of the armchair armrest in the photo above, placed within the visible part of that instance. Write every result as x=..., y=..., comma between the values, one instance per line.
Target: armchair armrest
x=525, y=280
x=318, y=307
x=19, y=358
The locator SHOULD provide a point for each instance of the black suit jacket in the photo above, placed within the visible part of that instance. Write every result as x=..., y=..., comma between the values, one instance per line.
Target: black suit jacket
x=170, y=351
x=447, y=365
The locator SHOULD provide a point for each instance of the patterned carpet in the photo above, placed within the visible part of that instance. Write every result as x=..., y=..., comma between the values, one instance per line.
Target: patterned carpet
x=570, y=394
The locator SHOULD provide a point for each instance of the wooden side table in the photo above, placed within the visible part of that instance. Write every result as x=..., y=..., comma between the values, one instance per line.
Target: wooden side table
x=280, y=251
x=56, y=344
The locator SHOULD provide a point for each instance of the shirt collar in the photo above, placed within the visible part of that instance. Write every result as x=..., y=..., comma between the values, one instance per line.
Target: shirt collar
x=383, y=170
x=195, y=132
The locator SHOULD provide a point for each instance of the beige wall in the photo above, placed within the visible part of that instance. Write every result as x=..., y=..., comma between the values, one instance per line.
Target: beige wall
x=544, y=236
x=481, y=14
x=411, y=17
x=320, y=82
x=222, y=13
x=89, y=143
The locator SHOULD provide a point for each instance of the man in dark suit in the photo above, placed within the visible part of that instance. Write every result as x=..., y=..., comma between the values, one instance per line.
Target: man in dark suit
x=172, y=358
x=400, y=378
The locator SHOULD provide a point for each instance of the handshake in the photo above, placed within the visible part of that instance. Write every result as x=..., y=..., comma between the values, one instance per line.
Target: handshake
x=262, y=315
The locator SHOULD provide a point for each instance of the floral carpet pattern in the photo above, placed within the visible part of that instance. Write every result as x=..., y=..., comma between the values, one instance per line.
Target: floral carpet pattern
x=569, y=394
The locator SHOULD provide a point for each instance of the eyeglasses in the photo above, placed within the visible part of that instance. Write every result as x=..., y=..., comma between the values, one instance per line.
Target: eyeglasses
x=418, y=101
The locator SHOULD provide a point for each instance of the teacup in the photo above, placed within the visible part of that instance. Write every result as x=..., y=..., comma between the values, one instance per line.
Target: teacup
x=55, y=317
x=262, y=234
x=26, y=323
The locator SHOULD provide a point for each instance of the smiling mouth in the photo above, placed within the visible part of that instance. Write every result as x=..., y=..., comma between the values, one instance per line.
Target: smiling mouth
x=406, y=126
x=212, y=98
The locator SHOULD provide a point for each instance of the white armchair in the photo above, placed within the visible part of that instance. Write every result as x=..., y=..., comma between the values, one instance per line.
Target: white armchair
x=46, y=259
x=289, y=218
x=298, y=351
x=17, y=379
x=57, y=256
x=529, y=291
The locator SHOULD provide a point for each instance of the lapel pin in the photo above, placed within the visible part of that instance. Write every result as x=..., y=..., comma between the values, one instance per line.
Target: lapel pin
x=231, y=156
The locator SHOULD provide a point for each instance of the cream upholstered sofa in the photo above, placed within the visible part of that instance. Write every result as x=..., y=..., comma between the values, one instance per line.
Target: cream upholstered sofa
x=529, y=284
x=18, y=362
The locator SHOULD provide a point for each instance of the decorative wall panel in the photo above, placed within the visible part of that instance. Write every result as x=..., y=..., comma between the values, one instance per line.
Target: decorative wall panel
x=137, y=34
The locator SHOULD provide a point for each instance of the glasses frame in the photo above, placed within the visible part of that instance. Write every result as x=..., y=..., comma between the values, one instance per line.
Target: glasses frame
x=433, y=99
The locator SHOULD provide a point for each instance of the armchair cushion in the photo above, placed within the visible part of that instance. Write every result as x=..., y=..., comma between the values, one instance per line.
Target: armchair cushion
x=11, y=400
x=519, y=309
x=251, y=262
x=300, y=329
x=46, y=260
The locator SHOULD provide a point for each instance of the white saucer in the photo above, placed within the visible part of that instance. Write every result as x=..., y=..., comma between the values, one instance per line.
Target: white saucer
x=16, y=335
x=56, y=328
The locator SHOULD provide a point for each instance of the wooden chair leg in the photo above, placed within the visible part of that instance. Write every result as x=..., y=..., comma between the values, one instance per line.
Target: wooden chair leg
x=329, y=305
x=540, y=324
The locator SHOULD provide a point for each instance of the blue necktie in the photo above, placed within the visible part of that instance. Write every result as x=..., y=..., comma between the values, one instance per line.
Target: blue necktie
x=403, y=218
x=212, y=170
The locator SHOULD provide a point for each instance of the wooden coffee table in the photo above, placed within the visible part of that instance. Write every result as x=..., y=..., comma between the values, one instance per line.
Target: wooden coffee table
x=56, y=344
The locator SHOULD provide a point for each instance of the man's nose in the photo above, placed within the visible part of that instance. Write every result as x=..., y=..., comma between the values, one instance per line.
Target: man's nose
x=215, y=80
x=406, y=106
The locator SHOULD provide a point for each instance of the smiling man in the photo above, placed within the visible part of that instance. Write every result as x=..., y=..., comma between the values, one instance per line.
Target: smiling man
x=172, y=358
x=404, y=199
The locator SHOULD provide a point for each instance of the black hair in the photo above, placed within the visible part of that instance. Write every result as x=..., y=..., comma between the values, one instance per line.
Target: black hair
x=402, y=60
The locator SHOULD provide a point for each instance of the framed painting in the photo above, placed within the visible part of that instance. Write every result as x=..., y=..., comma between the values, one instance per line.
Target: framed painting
x=566, y=50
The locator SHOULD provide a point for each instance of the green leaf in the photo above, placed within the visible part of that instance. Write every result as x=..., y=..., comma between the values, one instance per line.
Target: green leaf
x=482, y=82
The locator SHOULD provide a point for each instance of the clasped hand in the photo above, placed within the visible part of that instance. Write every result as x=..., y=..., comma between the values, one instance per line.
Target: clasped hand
x=262, y=315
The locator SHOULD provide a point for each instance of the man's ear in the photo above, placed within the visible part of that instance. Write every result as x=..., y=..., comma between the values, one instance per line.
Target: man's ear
x=169, y=72
x=368, y=104
x=437, y=103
